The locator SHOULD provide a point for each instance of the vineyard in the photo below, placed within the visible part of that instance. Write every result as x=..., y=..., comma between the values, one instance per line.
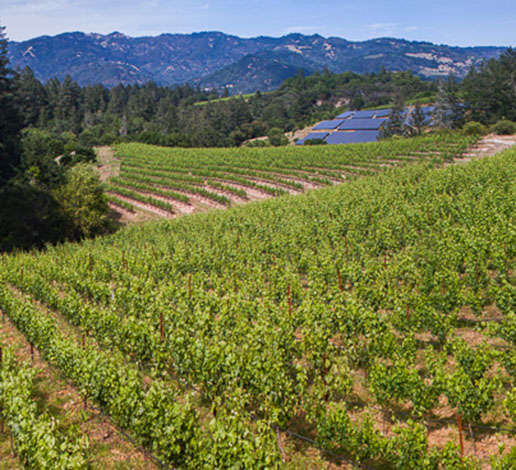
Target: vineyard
x=170, y=182
x=364, y=325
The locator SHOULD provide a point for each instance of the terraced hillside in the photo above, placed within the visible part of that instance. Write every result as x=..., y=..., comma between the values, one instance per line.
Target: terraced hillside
x=365, y=325
x=169, y=182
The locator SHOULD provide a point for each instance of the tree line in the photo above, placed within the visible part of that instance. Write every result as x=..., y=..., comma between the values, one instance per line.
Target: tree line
x=189, y=117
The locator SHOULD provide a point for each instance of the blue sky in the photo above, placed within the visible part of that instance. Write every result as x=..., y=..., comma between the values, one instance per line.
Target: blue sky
x=462, y=22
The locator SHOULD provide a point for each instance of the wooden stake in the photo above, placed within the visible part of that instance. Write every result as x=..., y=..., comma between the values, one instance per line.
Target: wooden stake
x=339, y=278
x=472, y=438
x=83, y=341
x=506, y=259
x=1, y=355
x=461, y=438
x=289, y=294
x=90, y=265
x=31, y=352
x=283, y=456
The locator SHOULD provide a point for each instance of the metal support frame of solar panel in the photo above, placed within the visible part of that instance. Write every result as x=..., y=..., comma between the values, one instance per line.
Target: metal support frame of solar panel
x=357, y=137
x=346, y=115
x=362, y=124
x=312, y=136
x=328, y=125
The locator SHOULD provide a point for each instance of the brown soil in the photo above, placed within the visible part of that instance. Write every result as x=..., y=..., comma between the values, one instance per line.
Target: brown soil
x=109, y=165
x=146, y=207
x=231, y=196
x=488, y=146
x=252, y=193
x=274, y=185
x=182, y=207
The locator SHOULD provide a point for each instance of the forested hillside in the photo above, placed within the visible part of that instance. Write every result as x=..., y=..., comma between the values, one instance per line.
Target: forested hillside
x=219, y=60
x=161, y=115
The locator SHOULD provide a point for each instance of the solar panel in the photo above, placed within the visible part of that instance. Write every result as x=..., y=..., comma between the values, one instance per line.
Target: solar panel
x=333, y=124
x=312, y=136
x=362, y=124
x=364, y=114
x=356, y=137
x=346, y=115
x=383, y=113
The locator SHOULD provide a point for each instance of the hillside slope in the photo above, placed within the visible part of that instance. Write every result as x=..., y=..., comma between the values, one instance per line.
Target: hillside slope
x=178, y=58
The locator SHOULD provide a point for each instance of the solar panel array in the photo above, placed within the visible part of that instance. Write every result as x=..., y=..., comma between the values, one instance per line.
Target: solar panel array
x=362, y=124
x=333, y=124
x=354, y=137
x=312, y=136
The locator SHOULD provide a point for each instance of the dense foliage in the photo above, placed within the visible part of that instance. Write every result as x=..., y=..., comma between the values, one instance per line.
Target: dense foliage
x=160, y=115
x=175, y=117
x=10, y=119
x=490, y=90
x=43, y=197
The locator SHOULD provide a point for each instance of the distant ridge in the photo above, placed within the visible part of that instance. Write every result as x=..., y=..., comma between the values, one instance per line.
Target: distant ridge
x=218, y=60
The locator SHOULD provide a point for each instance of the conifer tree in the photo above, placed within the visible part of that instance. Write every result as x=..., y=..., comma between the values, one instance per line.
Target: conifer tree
x=417, y=120
x=10, y=120
x=395, y=125
x=490, y=90
x=32, y=96
x=448, y=109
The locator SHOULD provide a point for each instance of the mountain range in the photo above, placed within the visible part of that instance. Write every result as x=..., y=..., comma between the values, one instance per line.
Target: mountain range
x=218, y=60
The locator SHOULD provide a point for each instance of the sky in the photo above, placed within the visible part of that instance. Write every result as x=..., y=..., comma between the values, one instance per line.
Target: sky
x=460, y=22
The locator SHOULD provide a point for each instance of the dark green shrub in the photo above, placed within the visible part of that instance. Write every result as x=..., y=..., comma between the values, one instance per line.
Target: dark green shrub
x=504, y=127
x=474, y=128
